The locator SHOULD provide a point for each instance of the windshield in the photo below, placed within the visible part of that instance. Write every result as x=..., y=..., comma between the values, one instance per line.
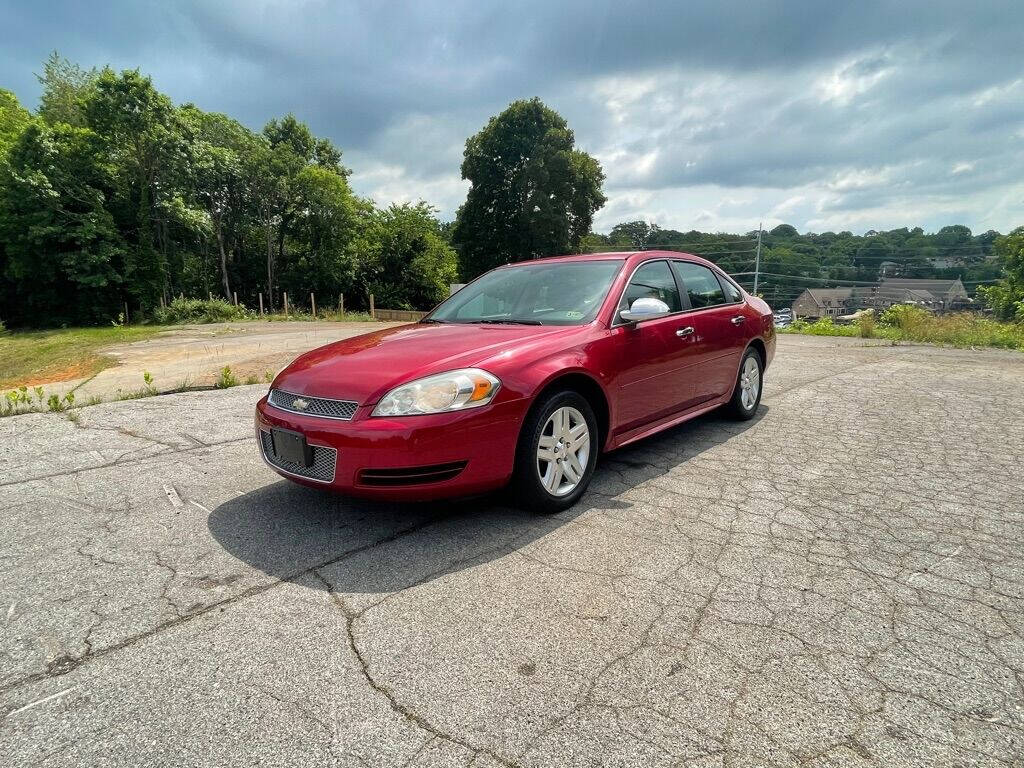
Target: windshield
x=563, y=293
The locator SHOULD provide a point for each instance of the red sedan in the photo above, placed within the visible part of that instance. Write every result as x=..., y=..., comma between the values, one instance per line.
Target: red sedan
x=525, y=375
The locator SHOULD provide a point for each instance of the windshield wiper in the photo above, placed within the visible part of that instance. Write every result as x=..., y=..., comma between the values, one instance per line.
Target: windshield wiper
x=432, y=320
x=509, y=321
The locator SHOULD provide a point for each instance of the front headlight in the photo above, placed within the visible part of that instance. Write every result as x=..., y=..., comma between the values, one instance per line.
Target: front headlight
x=442, y=392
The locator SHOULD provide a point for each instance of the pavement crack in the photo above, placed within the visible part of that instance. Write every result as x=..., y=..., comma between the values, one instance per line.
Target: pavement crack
x=397, y=706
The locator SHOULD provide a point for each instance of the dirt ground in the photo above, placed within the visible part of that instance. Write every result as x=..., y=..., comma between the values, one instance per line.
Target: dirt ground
x=193, y=355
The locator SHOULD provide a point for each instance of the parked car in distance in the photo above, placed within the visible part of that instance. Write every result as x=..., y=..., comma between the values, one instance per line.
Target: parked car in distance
x=783, y=317
x=525, y=375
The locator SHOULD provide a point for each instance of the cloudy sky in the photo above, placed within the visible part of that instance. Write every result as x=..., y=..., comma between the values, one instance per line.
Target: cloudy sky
x=704, y=114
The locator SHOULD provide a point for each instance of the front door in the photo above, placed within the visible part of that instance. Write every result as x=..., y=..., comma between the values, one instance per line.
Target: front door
x=653, y=354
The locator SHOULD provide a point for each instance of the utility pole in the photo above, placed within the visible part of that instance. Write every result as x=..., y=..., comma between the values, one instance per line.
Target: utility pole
x=757, y=258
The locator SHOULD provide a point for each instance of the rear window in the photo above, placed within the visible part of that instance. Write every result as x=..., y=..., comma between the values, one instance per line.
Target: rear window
x=702, y=287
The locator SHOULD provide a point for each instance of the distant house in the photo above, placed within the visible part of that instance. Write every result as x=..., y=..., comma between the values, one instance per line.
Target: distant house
x=947, y=294
x=934, y=295
x=816, y=303
x=881, y=297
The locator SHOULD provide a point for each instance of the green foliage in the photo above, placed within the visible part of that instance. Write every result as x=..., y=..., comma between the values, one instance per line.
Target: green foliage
x=252, y=378
x=407, y=241
x=182, y=311
x=1006, y=299
x=866, y=324
x=226, y=379
x=533, y=194
x=56, y=403
x=13, y=119
x=904, y=316
x=66, y=89
x=822, y=327
x=62, y=244
x=909, y=323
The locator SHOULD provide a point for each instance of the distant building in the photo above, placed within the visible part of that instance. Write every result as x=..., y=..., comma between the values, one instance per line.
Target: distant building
x=934, y=295
x=948, y=294
x=816, y=303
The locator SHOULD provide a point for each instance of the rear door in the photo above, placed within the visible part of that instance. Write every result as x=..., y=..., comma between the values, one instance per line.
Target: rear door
x=653, y=355
x=718, y=339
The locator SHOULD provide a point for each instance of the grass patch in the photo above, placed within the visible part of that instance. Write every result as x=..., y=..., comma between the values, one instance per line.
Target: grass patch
x=35, y=357
x=906, y=323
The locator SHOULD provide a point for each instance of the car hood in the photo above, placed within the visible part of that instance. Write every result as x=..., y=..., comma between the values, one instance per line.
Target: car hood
x=364, y=368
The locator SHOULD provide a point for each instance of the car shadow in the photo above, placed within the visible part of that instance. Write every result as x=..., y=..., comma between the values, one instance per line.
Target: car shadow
x=287, y=530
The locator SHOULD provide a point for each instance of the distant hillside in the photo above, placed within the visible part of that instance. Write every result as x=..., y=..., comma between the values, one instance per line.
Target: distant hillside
x=791, y=261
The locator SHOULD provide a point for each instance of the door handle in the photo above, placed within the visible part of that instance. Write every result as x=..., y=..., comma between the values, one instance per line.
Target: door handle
x=687, y=331
x=739, y=319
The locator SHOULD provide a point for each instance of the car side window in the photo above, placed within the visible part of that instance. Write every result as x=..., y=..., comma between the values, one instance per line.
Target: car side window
x=652, y=280
x=732, y=293
x=702, y=287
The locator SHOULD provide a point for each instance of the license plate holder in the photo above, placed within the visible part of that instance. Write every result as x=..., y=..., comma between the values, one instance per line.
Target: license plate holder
x=291, y=447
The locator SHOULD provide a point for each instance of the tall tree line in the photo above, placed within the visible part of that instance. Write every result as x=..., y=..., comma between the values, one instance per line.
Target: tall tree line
x=112, y=194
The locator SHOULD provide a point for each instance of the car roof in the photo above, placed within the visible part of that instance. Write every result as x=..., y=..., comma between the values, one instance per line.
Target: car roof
x=634, y=256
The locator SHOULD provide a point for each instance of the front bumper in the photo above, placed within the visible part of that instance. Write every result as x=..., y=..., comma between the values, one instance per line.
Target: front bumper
x=463, y=452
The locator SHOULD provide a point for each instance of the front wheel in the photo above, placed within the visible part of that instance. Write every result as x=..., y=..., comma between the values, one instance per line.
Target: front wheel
x=747, y=394
x=557, y=453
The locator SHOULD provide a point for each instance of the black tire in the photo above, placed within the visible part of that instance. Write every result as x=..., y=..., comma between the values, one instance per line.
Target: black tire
x=736, y=408
x=526, y=480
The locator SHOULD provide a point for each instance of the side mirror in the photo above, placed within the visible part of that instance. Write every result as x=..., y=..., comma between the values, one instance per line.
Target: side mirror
x=645, y=309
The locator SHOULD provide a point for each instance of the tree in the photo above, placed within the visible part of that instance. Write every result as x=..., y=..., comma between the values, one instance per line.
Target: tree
x=409, y=266
x=634, y=233
x=63, y=250
x=292, y=147
x=326, y=240
x=1006, y=298
x=137, y=122
x=532, y=193
x=218, y=148
x=784, y=230
x=66, y=89
x=13, y=119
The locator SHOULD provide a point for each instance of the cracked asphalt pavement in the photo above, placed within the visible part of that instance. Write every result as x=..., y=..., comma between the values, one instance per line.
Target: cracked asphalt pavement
x=839, y=582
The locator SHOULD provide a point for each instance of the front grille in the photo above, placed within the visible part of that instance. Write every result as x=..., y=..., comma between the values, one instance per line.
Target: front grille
x=434, y=473
x=315, y=406
x=325, y=460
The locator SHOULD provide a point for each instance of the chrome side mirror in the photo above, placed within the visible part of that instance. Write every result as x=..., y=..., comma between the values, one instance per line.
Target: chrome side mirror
x=645, y=308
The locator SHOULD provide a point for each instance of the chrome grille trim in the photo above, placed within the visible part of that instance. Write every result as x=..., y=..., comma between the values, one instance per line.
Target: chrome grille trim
x=320, y=407
x=325, y=461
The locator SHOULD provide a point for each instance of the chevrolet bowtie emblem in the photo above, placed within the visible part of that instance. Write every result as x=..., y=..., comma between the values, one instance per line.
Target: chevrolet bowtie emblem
x=299, y=404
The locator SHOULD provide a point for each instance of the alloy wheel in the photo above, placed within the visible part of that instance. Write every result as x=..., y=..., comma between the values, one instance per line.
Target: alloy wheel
x=563, y=451
x=750, y=383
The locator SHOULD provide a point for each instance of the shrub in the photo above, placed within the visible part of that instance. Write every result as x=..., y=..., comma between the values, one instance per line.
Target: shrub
x=226, y=378
x=182, y=311
x=866, y=324
x=904, y=316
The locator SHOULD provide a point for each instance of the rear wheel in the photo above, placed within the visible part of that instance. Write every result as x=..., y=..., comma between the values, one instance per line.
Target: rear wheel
x=557, y=453
x=746, y=397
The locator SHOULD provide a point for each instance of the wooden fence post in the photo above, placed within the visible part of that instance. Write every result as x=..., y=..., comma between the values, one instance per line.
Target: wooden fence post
x=126, y=313
x=261, y=303
x=312, y=304
x=341, y=303
x=236, y=298
x=371, y=305
x=286, y=303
